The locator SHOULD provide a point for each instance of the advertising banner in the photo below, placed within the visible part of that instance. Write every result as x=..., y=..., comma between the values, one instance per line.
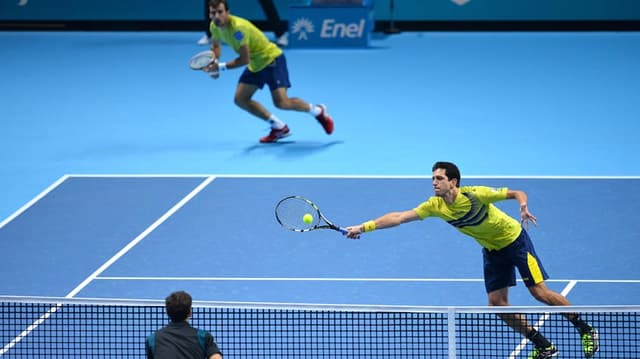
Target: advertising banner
x=326, y=26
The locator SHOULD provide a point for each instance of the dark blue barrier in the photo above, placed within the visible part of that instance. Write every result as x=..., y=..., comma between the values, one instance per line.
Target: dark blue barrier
x=409, y=14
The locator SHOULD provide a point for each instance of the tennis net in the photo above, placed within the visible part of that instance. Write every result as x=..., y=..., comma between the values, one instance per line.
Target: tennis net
x=81, y=328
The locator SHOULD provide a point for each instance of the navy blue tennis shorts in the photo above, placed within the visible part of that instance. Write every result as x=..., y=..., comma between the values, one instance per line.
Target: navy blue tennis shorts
x=276, y=75
x=499, y=265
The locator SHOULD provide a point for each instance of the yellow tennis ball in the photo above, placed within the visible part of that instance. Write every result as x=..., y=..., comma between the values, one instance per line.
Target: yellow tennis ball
x=307, y=218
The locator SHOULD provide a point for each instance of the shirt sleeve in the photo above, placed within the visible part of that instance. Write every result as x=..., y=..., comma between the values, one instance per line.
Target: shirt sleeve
x=215, y=33
x=489, y=194
x=426, y=208
x=241, y=37
x=147, y=349
x=210, y=346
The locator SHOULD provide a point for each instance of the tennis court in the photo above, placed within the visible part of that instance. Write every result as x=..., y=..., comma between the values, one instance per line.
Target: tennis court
x=217, y=237
x=139, y=180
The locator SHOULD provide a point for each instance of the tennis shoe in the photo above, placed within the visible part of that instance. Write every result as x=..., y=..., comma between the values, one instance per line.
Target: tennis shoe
x=283, y=40
x=590, y=342
x=325, y=120
x=276, y=134
x=543, y=353
x=204, y=40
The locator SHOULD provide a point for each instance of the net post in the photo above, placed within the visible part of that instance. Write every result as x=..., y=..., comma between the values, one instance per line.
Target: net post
x=451, y=331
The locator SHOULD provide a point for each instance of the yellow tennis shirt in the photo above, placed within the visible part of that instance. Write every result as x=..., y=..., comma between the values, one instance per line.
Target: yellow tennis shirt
x=241, y=32
x=474, y=214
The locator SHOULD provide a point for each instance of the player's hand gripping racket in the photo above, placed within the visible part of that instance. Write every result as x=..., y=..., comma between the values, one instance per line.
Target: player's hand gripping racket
x=201, y=60
x=290, y=213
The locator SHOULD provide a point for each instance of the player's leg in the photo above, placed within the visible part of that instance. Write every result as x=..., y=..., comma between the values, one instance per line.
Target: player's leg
x=542, y=347
x=279, y=29
x=206, y=38
x=278, y=80
x=543, y=294
x=282, y=101
x=517, y=322
x=243, y=98
x=534, y=275
x=589, y=335
x=499, y=275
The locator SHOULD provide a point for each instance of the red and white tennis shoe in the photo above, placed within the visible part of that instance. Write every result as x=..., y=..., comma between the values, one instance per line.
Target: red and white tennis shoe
x=325, y=120
x=276, y=134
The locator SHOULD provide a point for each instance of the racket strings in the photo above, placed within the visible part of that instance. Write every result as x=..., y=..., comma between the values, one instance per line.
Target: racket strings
x=290, y=213
x=201, y=60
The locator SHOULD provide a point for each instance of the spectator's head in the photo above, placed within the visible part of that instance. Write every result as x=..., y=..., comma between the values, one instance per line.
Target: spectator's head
x=178, y=305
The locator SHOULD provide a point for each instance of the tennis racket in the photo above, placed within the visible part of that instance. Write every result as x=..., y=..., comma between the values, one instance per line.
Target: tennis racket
x=290, y=211
x=201, y=60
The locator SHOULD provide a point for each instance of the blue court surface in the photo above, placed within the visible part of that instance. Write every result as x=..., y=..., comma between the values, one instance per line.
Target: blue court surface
x=215, y=236
x=129, y=178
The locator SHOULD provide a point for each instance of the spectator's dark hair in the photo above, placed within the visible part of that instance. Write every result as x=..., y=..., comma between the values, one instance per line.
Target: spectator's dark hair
x=450, y=170
x=178, y=305
x=215, y=3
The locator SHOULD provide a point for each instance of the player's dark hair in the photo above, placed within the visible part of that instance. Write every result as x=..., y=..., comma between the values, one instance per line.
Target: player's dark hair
x=450, y=170
x=178, y=305
x=215, y=3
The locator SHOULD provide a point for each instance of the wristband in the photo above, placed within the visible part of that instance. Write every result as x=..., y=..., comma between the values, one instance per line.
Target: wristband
x=222, y=66
x=369, y=226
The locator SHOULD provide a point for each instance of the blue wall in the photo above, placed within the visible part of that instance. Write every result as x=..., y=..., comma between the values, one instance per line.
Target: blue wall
x=405, y=10
x=496, y=10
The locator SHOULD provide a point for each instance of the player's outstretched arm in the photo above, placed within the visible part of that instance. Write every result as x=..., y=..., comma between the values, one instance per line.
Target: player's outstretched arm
x=388, y=220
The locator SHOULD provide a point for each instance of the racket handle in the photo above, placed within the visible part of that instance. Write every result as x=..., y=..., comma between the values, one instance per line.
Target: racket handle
x=343, y=230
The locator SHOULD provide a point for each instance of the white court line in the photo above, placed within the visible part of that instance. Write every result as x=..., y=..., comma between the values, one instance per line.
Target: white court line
x=347, y=176
x=540, y=322
x=318, y=279
x=34, y=200
x=289, y=279
x=108, y=263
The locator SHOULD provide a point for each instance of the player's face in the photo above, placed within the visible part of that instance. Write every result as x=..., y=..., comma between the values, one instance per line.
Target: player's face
x=219, y=15
x=441, y=183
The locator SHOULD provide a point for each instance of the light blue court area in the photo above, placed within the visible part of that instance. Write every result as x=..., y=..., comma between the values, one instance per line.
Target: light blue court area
x=497, y=103
x=539, y=111
x=141, y=237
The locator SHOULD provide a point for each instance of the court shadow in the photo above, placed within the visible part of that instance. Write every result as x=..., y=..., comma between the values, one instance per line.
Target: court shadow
x=290, y=148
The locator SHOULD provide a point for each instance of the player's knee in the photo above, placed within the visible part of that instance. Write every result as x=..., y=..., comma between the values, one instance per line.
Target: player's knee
x=498, y=302
x=541, y=294
x=498, y=299
x=240, y=101
x=281, y=103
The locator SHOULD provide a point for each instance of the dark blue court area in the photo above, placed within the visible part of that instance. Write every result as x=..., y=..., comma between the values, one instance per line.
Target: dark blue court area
x=140, y=237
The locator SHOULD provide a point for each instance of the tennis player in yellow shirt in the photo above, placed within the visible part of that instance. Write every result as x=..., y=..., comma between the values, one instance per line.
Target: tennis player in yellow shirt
x=265, y=65
x=506, y=246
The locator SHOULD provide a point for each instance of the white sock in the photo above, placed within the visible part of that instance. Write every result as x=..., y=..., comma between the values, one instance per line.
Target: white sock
x=314, y=110
x=275, y=122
